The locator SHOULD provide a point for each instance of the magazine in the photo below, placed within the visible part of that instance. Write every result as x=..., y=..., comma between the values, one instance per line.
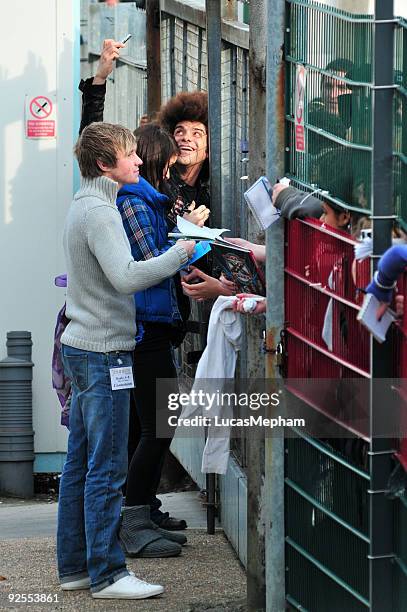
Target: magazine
x=239, y=265
x=236, y=263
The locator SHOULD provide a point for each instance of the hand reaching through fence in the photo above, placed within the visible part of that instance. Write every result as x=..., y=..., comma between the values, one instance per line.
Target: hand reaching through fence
x=391, y=265
x=250, y=304
x=258, y=250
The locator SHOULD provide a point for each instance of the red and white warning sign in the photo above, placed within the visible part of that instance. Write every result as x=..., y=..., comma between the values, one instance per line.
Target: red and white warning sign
x=40, y=117
x=299, y=108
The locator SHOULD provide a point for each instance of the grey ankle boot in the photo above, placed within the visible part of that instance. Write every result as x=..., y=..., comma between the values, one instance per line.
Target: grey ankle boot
x=139, y=539
x=170, y=535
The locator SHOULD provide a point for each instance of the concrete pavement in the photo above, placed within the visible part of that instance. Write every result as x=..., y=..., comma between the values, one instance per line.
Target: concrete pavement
x=207, y=576
x=27, y=519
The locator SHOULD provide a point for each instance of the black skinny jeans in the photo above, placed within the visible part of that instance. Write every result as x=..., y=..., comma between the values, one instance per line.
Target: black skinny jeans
x=146, y=464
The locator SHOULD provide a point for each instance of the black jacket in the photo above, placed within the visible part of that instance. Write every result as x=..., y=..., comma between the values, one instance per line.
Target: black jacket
x=93, y=102
x=296, y=204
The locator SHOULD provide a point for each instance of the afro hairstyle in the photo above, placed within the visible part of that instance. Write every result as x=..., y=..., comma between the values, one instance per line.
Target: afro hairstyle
x=185, y=106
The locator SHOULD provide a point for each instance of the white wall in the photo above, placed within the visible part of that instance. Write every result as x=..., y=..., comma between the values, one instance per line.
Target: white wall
x=37, y=42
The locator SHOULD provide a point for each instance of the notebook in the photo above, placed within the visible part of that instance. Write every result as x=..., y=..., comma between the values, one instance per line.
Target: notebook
x=259, y=200
x=367, y=316
x=202, y=248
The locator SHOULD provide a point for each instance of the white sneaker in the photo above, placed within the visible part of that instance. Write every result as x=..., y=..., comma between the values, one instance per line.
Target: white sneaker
x=81, y=584
x=76, y=585
x=129, y=587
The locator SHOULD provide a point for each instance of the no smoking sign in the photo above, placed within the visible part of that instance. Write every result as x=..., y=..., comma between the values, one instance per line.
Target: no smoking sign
x=40, y=117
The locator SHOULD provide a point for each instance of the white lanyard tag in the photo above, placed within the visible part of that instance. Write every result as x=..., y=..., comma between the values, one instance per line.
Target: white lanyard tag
x=121, y=378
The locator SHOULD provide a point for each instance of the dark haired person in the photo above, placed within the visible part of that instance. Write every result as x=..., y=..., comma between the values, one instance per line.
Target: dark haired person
x=96, y=351
x=160, y=311
x=185, y=116
x=324, y=112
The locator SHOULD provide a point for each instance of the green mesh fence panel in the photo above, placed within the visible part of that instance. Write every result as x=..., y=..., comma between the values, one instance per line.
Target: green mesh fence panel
x=326, y=505
x=303, y=573
x=326, y=484
x=326, y=474
x=400, y=563
x=400, y=590
x=334, y=545
x=337, y=101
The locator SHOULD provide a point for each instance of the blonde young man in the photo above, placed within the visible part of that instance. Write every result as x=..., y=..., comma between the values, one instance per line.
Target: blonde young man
x=96, y=350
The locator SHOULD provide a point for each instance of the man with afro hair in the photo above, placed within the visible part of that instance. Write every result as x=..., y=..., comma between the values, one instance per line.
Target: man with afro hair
x=185, y=116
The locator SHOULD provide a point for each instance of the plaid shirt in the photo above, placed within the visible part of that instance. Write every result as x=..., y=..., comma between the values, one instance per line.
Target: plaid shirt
x=137, y=224
x=139, y=231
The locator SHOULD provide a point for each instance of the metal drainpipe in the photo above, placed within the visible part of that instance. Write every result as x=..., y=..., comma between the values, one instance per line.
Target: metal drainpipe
x=16, y=431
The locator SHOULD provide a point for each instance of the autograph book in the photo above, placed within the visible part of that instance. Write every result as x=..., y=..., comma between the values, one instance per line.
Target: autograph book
x=236, y=263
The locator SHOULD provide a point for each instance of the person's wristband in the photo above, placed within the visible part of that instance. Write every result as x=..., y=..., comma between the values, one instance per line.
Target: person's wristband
x=383, y=295
x=386, y=287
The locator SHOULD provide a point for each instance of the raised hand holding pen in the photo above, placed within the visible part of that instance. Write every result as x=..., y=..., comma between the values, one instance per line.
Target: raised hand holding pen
x=110, y=53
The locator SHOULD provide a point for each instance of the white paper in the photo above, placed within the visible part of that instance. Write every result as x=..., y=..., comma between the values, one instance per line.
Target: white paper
x=203, y=233
x=367, y=316
x=121, y=378
x=259, y=200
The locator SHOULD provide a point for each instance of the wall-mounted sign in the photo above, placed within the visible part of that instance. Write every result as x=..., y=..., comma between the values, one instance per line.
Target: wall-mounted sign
x=40, y=117
x=299, y=108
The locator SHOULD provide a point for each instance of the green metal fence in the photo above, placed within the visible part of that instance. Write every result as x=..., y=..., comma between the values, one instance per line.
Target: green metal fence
x=329, y=150
x=400, y=561
x=335, y=47
x=338, y=103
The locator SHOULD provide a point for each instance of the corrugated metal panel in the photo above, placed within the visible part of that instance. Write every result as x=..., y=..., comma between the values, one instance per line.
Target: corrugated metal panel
x=106, y=22
x=126, y=92
x=189, y=452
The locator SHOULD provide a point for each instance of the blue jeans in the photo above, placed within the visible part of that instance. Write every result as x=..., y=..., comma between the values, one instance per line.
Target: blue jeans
x=90, y=494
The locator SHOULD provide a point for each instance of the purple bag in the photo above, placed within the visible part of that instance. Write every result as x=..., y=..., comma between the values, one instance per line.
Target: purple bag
x=60, y=382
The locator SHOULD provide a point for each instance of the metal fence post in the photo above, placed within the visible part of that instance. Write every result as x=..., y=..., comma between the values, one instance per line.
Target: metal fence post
x=256, y=584
x=214, y=54
x=153, y=45
x=380, y=518
x=274, y=471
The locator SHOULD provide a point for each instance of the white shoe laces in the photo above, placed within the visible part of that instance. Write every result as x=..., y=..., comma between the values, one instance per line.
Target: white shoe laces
x=134, y=578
